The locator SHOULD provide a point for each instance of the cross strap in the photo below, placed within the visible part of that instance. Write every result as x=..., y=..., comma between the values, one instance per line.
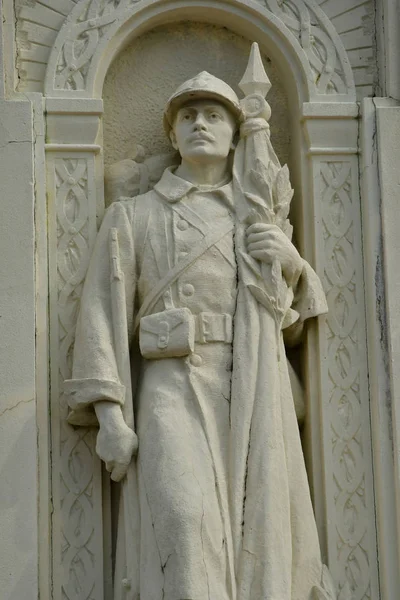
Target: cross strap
x=191, y=216
x=152, y=297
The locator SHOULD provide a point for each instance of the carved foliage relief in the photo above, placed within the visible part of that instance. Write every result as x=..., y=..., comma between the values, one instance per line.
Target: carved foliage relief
x=92, y=19
x=301, y=18
x=90, y=25
x=346, y=380
x=79, y=501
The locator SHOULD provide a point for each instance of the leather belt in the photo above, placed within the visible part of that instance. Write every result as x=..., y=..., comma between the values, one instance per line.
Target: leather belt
x=212, y=327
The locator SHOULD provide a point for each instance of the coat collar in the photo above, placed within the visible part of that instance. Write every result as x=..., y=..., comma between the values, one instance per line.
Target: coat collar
x=173, y=189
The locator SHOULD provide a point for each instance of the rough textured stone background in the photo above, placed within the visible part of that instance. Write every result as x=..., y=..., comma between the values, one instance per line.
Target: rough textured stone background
x=144, y=75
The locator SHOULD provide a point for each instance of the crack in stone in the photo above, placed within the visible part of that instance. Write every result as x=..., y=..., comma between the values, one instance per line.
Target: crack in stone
x=233, y=323
x=245, y=478
x=10, y=408
x=202, y=548
x=227, y=398
x=154, y=530
x=201, y=531
x=2, y=146
x=163, y=567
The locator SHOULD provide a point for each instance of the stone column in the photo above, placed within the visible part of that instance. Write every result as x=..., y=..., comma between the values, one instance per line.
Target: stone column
x=381, y=223
x=75, y=200
x=339, y=396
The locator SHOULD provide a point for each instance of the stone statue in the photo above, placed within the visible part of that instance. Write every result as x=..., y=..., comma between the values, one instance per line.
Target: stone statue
x=200, y=275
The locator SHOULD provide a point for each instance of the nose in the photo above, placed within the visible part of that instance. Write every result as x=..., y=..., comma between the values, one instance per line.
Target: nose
x=200, y=122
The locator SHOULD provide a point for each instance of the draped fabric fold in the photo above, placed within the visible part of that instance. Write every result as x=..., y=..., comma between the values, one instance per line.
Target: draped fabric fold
x=276, y=547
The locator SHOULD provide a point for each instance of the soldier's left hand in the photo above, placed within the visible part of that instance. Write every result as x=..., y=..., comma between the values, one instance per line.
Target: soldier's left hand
x=268, y=243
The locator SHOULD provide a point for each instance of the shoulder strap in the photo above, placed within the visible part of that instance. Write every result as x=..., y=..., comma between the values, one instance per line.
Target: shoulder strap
x=152, y=297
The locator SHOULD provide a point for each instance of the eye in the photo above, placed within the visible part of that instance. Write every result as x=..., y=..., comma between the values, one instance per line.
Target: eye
x=185, y=116
x=214, y=116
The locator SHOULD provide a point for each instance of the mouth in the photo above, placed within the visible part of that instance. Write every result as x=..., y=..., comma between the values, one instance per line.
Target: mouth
x=200, y=138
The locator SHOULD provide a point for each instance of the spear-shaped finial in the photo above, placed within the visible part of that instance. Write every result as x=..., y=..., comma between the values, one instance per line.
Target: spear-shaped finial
x=255, y=84
x=255, y=80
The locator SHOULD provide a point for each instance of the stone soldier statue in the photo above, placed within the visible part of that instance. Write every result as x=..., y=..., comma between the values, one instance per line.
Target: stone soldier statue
x=222, y=505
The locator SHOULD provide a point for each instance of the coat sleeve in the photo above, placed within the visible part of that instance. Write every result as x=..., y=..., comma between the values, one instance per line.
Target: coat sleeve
x=95, y=372
x=309, y=301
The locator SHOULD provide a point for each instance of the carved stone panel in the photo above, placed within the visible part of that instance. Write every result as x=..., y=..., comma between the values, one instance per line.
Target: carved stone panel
x=350, y=501
x=77, y=515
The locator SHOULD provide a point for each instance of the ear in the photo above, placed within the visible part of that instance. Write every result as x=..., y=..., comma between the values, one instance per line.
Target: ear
x=172, y=137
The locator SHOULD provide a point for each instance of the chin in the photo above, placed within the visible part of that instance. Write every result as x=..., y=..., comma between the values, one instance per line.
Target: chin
x=203, y=155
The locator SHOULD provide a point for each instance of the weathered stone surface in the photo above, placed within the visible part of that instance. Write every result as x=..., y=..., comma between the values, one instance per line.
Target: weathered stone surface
x=18, y=429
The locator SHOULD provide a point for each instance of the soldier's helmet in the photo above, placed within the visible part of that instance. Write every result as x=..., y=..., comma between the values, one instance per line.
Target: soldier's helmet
x=204, y=85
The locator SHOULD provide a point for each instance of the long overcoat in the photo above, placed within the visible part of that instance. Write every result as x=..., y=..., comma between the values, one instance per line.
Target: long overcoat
x=182, y=406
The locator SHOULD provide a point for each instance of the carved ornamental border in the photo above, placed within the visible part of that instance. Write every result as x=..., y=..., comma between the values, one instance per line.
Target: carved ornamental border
x=59, y=39
x=345, y=390
x=313, y=57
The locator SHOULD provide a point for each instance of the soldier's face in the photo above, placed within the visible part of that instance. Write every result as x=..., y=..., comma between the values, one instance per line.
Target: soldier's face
x=203, y=131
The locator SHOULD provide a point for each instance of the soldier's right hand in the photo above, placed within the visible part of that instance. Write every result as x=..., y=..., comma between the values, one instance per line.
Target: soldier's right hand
x=116, y=442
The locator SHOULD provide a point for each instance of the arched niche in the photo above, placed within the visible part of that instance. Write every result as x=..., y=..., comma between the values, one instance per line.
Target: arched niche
x=324, y=166
x=148, y=70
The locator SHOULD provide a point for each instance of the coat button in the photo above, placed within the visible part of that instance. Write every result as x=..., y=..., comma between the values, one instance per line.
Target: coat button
x=182, y=225
x=188, y=289
x=195, y=360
